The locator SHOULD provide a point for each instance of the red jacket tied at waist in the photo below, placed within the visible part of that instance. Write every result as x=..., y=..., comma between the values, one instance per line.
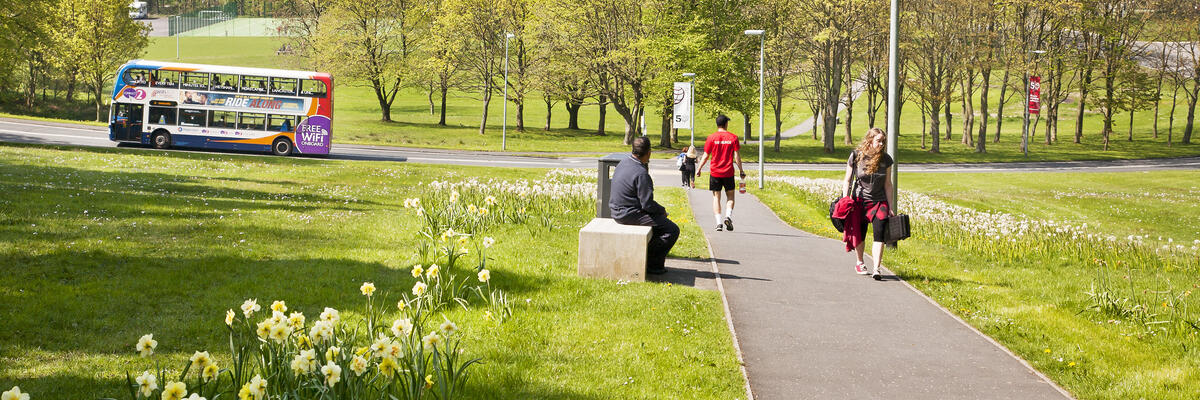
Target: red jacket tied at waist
x=852, y=212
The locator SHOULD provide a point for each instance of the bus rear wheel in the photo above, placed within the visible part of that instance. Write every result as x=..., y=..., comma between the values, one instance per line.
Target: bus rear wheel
x=282, y=147
x=161, y=139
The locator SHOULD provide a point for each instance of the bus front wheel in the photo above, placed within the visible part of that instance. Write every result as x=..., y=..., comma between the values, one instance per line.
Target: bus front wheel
x=282, y=147
x=161, y=139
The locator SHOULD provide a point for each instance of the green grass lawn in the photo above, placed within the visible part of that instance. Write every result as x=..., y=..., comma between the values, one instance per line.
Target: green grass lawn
x=101, y=246
x=1132, y=340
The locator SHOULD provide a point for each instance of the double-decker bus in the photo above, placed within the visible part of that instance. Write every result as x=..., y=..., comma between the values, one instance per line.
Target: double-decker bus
x=168, y=104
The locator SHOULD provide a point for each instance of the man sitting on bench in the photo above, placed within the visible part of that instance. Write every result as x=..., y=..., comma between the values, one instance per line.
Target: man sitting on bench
x=632, y=203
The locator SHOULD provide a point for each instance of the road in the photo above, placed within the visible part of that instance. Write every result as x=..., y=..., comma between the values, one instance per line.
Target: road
x=28, y=131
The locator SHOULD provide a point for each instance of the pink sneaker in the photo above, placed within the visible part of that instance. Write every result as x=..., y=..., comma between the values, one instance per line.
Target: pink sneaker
x=860, y=268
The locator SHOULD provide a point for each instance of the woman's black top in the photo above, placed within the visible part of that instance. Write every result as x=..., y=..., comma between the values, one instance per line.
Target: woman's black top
x=689, y=164
x=870, y=187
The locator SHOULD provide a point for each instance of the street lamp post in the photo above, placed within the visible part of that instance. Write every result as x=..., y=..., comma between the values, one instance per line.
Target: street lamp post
x=1025, y=125
x=504, y=127
x=692, y=106
x=893, y=118
x=761, y=53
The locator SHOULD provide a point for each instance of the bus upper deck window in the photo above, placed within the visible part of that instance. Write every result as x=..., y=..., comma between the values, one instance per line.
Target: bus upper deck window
x=194, y=80
x=161, y=78
x=254, y=84
x=312, y=88
x=224, y=82
x=285, y=86
x=136, y=77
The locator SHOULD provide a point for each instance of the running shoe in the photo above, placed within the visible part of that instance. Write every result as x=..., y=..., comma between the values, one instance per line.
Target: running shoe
x=860, y=268
x=720, y=227
x=728, y=224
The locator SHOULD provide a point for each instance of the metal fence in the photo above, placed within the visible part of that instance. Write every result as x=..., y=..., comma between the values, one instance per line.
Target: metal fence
x=192, y=21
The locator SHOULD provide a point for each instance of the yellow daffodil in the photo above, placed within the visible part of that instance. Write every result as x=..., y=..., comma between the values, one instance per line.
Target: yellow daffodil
x=332, y=372
x=331, y=315
x=448, y=328
x=146, y=345
x=358, y=365
x=417, y=271
x=332, y=352
x=483, y=211
x=200, y=360
x=303, y=342
x=401, y=327
x=210, y=372
x=245, y=394
x=258, y=387
x=367, y=289
x=229, y=317
x=419, y=289
x=463, y=250
x=487, y=315
x=484, y=275
x=401, y=305
x=279, y=306
x=488, y=242
x=432, y=272
x=421, y=212
x=174, y=391
x=303, y=362
x=388, y=367
x=296, y=320
x=321, y=331
x=280, y=332
x=264, y=329
x=431, y=341
x=472, y=209
x=453, y=197
x=194, y=396
x=428, y=381
x=14, y=394
x=249, y=307
x=147, y=383
x=490, y=200
x=463, y=240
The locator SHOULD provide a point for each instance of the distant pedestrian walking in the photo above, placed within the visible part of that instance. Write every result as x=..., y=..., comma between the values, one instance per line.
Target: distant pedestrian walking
x=688, y=167
x=632, y=203
x=869, y=186
x=723, y=149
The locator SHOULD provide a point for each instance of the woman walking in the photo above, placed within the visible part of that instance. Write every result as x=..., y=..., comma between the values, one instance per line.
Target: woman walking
x=689, y=167
x=868, y=183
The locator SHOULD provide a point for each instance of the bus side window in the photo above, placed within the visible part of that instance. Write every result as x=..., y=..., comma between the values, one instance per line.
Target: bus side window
x=281, y=123
x=189, y=117
x=162, y=115
x=252, y=121
x=312, y=88
x=222, y=119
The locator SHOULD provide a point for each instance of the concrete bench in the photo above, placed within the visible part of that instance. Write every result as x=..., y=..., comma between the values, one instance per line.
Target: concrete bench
x=613, y=251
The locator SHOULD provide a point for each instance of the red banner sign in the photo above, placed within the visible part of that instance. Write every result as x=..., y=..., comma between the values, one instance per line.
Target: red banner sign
x=1035, y=94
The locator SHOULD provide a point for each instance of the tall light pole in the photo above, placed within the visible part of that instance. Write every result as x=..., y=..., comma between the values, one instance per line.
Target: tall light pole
x=893, y=118
x=1025, y=125
x=692, y=106
x=761, y=53
x=504, y=127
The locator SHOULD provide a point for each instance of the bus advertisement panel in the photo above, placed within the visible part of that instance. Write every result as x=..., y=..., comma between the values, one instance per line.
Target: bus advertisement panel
x=190, y=105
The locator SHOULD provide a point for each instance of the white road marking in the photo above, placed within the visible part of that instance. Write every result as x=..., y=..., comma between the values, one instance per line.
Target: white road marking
x=20, y=133
x=94, y=130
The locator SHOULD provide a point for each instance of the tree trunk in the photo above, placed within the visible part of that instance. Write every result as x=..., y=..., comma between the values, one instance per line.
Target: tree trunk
x=1000, y=108
x=1084, y=83
x=549, y=112
x=816, y=122
x=487, y=98
x=603, y=111
x=667, y=111
x=949, y=115
x=1171, y=117
x=384, y=107
x=520, y=114
x=934, y=108
x=1131, y=125
x=981, y=143
x=1191, y=115
x=968, y=92
x=778, y=115
x=573, y=114
x=431, y=110
x=442, y=109
x=746, y=128
x=98, y=86
x=924, y=126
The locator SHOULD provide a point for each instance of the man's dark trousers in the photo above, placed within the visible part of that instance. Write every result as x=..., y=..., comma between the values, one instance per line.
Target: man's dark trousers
x=663, y=234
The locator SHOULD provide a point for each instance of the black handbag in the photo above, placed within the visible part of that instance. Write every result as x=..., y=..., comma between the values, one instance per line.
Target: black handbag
x=898, y=228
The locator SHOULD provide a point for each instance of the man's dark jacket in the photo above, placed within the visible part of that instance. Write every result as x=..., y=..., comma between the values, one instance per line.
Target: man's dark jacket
x=632, y=194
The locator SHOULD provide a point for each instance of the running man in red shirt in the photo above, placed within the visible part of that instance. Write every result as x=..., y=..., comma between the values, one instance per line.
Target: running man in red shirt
x=723, y=149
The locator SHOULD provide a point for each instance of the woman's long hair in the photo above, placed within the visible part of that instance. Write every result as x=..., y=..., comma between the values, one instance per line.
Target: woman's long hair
x=868, y=155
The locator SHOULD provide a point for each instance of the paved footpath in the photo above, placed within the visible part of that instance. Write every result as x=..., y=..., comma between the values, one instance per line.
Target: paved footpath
x=810, y=328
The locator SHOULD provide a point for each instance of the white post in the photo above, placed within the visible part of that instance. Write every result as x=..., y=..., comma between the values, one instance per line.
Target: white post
x=504, y=127
x=692, y=110
x=893, y=118
x=176, y=35
x=761, y=53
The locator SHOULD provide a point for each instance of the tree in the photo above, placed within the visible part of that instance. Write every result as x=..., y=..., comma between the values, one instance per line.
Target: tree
x=101, y=38
x=442, y=67
x=832, y=25
x=934, y=57
x=369, y=43
x=478, y=26
x=1184, y=18
x=1117, y=24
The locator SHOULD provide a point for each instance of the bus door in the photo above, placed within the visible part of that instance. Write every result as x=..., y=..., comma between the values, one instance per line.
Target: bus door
x=127, y=122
